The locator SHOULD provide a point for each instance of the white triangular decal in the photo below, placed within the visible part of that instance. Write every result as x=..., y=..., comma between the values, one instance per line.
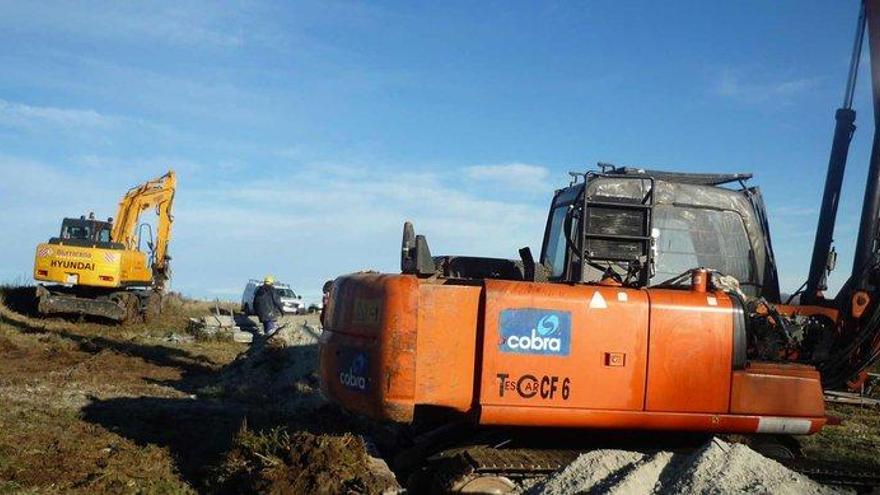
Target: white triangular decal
x=597, y=302
x=622, y=297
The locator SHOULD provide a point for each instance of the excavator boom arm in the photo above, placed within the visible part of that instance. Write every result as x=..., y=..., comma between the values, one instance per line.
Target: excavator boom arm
x=158, y=194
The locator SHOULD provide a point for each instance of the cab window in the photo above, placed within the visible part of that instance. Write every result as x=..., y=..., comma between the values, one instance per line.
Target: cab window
x=555, y=250
x=699, y=237
x=76, y=230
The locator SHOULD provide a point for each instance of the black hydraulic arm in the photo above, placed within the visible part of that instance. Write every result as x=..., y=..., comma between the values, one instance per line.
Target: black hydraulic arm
x=866, y=244
x=860, y=346
x=843, y=131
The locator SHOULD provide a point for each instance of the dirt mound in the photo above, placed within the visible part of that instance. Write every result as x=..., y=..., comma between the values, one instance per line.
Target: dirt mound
x=278, y=462
x=716, y=468
x=281, y=371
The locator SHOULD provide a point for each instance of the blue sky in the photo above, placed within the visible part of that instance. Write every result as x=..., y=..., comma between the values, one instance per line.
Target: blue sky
x=305, y=133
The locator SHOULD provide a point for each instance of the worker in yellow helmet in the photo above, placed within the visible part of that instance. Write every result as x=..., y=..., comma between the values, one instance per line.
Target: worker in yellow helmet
x=268, y=306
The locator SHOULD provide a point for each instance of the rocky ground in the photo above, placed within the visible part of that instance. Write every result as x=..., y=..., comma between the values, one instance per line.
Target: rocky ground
x=94, y=408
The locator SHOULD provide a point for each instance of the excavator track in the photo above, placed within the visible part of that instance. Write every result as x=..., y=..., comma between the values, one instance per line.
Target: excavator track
x=67, y=302
x=480, y=469
x=123, y=306
x=860, y=479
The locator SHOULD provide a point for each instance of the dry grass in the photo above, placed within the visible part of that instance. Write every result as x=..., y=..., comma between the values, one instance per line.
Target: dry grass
x=92, y=408
x=855, y=442
x=95, y=408
x=45, y=444
x=278, y=461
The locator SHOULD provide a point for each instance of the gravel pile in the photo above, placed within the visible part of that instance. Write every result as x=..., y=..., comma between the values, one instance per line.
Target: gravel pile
x=716, y=468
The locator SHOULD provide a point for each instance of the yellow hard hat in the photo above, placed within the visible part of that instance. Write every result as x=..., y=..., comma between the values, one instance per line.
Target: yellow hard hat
x=269, y=280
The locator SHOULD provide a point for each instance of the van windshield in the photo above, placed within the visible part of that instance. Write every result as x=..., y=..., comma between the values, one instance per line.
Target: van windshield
x=286, y=293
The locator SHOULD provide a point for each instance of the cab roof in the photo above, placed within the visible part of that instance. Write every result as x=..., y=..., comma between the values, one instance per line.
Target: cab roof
x=698, y=179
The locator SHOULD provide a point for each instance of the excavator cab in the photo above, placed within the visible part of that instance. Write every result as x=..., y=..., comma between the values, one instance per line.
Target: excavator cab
x=635, y=228
x=86, y=232
x=645, y=228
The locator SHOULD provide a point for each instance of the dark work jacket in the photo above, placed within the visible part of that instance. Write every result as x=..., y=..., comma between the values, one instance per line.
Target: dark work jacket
x=267, y=303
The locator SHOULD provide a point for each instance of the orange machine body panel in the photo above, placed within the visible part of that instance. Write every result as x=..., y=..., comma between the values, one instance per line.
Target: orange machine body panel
x=446, y=345
x=382, y=327
x=368, y=358
x=787, y=309
x=544, y=354
x=690, y=361
x=776, y=390
x=600, y=359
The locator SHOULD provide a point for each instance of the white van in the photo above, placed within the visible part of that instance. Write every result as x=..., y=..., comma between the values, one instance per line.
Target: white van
x=292, y=303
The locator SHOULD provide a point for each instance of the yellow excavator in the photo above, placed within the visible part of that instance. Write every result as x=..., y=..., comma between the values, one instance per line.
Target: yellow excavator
x=100, y=268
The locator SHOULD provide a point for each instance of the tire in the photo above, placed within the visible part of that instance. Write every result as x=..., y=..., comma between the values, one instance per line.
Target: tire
x=779, y=447
x=130, y=303
x=152, y=307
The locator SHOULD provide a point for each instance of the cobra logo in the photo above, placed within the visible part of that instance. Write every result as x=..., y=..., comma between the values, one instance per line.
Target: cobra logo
x=542, y=338
x=548, y=325
x=355, y=376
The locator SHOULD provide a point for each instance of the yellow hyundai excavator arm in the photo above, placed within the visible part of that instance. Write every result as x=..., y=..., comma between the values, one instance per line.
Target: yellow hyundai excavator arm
x=158, y=194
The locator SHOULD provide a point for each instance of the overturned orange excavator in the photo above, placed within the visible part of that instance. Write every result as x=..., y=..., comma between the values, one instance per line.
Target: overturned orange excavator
x=654, y=305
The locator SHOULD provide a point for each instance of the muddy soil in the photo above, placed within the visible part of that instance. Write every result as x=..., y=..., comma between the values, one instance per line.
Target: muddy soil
x=303, y=462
